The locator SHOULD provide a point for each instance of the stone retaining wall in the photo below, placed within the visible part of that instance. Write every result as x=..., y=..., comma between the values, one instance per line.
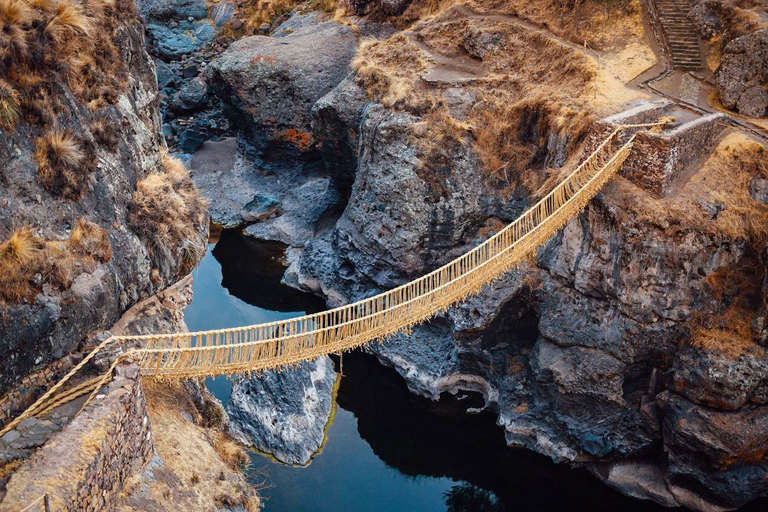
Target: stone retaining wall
x=21, y=396
x=84, y=466
x=659, y=158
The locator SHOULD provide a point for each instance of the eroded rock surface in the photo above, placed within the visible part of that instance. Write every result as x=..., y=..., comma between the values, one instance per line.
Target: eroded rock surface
x=579, y=350
x=272, y=83
x=742, y=78
x=284, y=413
x=36, y=332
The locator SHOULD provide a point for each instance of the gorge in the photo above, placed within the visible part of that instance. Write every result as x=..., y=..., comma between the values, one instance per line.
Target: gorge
x=343, y=151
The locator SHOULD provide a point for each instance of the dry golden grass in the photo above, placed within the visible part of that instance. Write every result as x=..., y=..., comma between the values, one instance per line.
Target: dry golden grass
x=255, y=13
x=736, y=161
x=46, y=43
x=105, y=134
x=16, y=17
x=388, y=71
x=532, y=87
x=63, y=167
x=228, y=450
x=200, y=466
x=89, y=239
x=167, y=212
x=27, y=261
x=69, y=21
x=9, y=105
x=601, y=24
x=737, y=291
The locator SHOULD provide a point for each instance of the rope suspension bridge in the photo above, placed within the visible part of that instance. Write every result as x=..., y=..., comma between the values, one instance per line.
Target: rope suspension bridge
x=277, y=344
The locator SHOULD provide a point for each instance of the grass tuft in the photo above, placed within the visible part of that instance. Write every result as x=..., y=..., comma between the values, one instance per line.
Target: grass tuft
x=62, y=164
x=9, y=105
x=88, y=239
x=69, y=21
x=27, y=261
x=167, y=212
x=15, y=20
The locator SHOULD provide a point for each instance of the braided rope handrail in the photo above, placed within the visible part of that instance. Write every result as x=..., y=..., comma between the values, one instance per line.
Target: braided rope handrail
x=286, y=342
x=272, y=345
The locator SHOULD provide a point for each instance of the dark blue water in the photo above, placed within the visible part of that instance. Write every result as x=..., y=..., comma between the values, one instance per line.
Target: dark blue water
x=387, y=450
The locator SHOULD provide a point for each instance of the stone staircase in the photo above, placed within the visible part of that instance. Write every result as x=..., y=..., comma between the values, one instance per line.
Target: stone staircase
x=680, y=34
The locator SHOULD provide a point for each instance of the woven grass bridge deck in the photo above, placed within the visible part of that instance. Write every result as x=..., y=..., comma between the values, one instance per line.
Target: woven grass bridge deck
x=273, y=345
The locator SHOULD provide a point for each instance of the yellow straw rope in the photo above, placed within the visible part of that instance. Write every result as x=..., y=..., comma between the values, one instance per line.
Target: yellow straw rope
x=276, y=344
x=40, y=402
x=288, y=342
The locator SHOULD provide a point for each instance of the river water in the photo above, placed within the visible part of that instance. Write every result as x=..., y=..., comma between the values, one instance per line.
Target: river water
x=387, y=450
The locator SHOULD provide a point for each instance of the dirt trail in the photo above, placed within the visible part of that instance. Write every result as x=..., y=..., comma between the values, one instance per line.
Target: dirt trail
x=454, y=69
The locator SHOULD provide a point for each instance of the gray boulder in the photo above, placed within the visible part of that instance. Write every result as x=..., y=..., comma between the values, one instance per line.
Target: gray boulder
x=166, y=10
x=172, y=43
x=284, y=413
x=743, y=73
x=272, y=83
x=717, y=456
x=715, y=380
x=261, y=207
x=222, y=12
x=335, y=121
x=193, y=96
x=753, y=102
x=705, y=19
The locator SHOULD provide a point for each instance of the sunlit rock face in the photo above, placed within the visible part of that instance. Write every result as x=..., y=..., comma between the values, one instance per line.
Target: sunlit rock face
x=284, y=413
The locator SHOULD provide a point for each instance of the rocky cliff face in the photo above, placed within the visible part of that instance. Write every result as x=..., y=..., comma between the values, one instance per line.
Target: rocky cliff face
x=123, y=142
x=585, y=351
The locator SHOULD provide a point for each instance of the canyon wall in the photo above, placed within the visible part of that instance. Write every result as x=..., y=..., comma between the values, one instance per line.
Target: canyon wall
x=584, y=351
x=122, y=144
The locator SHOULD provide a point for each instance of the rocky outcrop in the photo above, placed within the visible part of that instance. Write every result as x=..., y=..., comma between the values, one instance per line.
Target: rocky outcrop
x=38, y=331
x=571, y=351
x=271, y=84
x=281, y=181
x=579, y=351
x=742, y=79
x=284, y=413
x=719, y=455
x=397, y=223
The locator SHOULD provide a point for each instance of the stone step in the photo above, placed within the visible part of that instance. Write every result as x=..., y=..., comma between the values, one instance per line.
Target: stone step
x=686, y=65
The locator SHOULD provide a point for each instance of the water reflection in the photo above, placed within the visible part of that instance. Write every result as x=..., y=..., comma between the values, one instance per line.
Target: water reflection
x=420, y=437
x=387, y=449
x=251, y=271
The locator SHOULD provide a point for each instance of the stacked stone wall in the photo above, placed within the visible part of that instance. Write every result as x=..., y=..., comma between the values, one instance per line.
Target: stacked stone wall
x=659, y=158
x=84, y=467
x=24, y=394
